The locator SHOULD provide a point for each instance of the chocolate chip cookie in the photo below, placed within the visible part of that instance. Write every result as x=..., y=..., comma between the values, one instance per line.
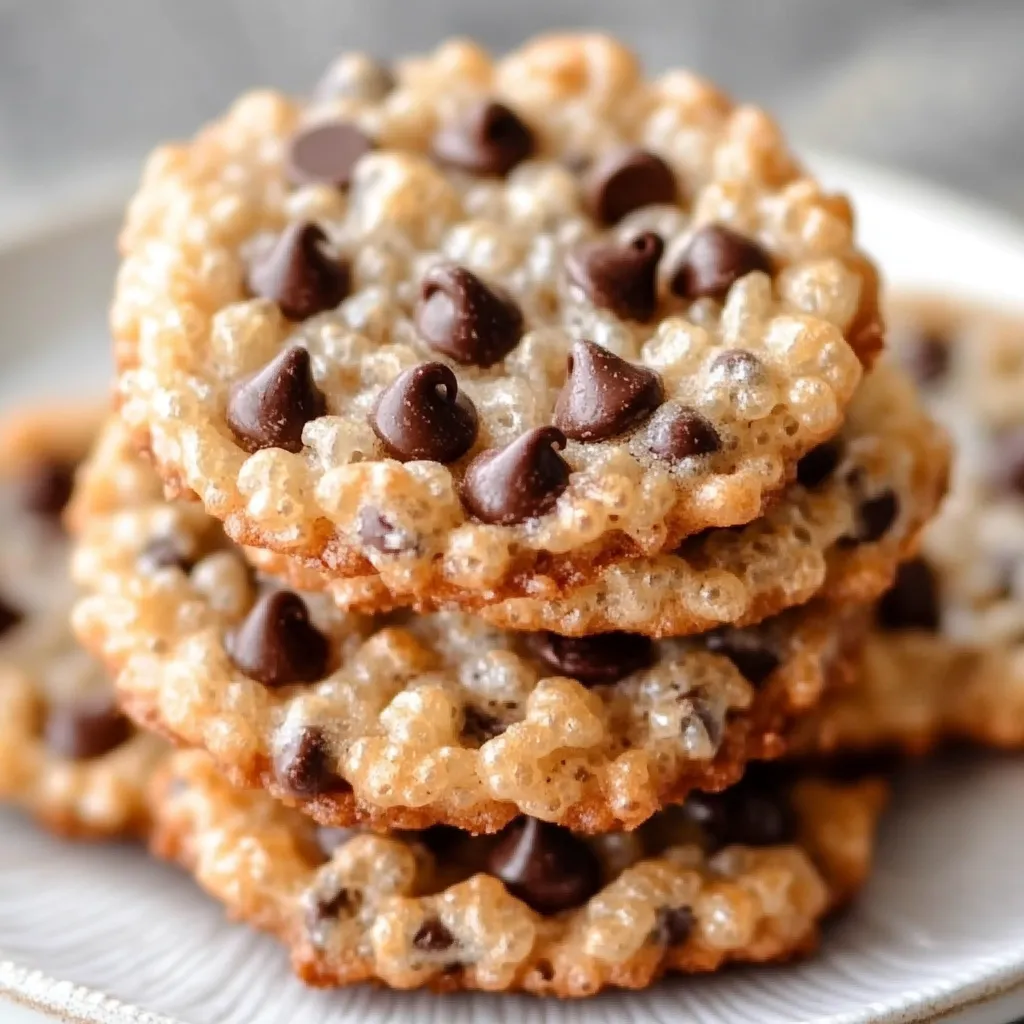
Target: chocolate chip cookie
x=856, y=509
x=407, y=720
x=463, y=322
x=746, y=875
x=68, y=756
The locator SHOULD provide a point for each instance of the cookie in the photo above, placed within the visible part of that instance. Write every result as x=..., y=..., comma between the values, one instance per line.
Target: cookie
x=947, y=658
x=68, y=756
x=407, y=721
x=743, y=876
x=855, y=511
x=500, y=319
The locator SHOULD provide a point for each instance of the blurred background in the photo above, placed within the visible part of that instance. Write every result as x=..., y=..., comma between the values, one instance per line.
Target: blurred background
x=934, y=87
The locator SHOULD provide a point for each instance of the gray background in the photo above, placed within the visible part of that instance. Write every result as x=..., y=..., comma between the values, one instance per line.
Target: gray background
x=932, y=86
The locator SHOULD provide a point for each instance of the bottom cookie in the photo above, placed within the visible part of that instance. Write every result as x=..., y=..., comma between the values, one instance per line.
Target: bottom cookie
x=745, y=875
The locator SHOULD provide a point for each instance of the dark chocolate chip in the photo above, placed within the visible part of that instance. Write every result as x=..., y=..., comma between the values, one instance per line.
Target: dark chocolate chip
x=604, y=395
x=677, y=432
x=326, y=154
x=620, y=276
x=913, y=600
x=673, y=925
x=489, y=139
x=433, y=937
x=277, y=644
x=480, y=726
x=545, y=866
x=329, y=839
x=716, y=258
x=736, y=366
x=423, y=414
x=626, y=180
x=600, y=659
x=9, y=615
x=440, y=840
x=164, y=553
x=378, y=532
x=926, y=357
x=299, y=275
x=303, y=765
x=461, y=316
x=1008, y=460
x=330, y=906
x=518, y=482
x=747, y=651
x=270, y=408
x=748, y=814
x=361, y=79
x=875, y=517
x=46, y=487
x=85, y=729
x=818, y=464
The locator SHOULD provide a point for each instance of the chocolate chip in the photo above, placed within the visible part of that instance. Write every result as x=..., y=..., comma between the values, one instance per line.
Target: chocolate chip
x=875, y=516
x=737, y=366
x=620, y=276
x=330, y=906
x=433, y=937
x=277, y=644
x=329, y=839
x=269, y=408
x=600, y=659
x=9, y=616
x=85, y=729
x=480, y=726
x=303, y=764
x=913, y=600
x=299, y=275
x=677, y=432
x=1008, y=460
x=423, y=414
x=326, y=154
x=747, y=814
x=459, y=315
x=518, y=482
x=604, y=395
x=378, y=532
x=545, y=866
x=818, y=464
x=489, y=139
x=673, y=925
x=715, y=259
x=164, y=553
x=440, y=840
x=926, y=357
x=46, y=487
x=747, y=651
x=355, y=77
x=626, y=180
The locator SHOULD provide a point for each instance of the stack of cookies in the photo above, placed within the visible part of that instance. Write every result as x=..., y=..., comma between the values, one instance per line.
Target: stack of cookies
x=505, y=467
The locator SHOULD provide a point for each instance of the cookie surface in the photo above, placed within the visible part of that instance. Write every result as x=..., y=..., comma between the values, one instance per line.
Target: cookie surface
x=855, y=511
x=408, y=720
x=68, y=757
x=474, y=320
x=745, y=875
x=946, y=659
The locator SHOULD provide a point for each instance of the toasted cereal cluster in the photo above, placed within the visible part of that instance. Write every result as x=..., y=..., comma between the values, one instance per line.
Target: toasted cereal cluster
x=67, y=755
x=464, y=319
x=741, y=876
x=408, y=720
x=855, y=511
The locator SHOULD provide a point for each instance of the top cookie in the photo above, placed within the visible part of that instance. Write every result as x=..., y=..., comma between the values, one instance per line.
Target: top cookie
x=461, y=318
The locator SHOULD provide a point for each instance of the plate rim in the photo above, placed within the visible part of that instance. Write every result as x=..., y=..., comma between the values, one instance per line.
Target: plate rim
x=104, y=197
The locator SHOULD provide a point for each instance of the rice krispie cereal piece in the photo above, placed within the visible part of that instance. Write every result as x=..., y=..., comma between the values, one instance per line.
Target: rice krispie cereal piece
x=742, y=876
x=855, y=511
x=463, y=321
x=947, y=658
x=406, y=720
x=68, y=757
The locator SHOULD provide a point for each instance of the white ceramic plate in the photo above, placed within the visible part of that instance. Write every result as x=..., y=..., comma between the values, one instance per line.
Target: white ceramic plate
x=939, y=931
